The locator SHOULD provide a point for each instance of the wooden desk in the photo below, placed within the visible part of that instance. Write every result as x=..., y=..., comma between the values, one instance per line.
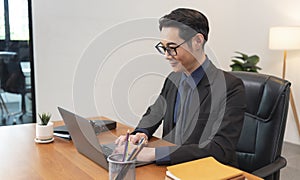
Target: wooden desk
x=22, y=158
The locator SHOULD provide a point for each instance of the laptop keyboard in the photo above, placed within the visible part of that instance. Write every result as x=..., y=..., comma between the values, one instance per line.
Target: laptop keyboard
x=107, y=150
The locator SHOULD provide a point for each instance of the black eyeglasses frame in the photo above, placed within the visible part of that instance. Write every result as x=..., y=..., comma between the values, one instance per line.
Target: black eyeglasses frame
x=170, y=49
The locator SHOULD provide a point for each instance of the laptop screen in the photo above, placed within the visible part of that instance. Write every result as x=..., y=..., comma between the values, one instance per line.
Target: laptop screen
x=84, y=137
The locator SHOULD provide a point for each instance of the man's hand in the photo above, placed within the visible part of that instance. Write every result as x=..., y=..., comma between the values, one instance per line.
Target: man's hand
x=120, y=148
x=146, y=155
x=132, y=138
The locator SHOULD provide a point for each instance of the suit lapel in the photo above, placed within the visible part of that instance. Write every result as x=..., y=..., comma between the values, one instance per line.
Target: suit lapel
x=199, y=97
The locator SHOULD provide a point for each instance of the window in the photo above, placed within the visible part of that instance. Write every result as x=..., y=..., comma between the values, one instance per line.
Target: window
x=2, y=20
x=18, y=19
x=14, y=20
x=16, y=63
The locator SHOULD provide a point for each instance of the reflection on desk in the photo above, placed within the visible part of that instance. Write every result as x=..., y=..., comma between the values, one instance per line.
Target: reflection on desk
x=22, y=158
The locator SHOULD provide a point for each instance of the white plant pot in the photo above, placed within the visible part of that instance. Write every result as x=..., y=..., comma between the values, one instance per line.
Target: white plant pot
x=44, y=133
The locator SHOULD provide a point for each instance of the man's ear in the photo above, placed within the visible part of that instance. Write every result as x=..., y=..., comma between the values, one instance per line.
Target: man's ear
x=198, y=41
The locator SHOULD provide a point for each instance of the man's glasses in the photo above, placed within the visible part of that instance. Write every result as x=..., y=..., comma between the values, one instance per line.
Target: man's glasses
x=171, y=50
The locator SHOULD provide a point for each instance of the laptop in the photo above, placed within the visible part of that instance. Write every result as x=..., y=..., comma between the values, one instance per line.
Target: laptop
x=86, y=140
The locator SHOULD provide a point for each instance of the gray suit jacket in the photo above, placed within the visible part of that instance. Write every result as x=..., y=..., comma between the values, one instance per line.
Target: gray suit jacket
x=214, y=121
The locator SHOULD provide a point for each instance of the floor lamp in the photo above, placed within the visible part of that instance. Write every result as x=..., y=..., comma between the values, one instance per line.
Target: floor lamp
x=286, y=38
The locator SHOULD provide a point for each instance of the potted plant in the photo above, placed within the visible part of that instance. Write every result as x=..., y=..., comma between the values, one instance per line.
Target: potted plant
x=243, y=62
x=44, y=129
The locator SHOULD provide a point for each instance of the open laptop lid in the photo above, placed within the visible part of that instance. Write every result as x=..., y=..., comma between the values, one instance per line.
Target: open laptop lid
x=84, y=137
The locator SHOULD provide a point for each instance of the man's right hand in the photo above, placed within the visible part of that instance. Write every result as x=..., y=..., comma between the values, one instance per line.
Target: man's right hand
x=133, y=138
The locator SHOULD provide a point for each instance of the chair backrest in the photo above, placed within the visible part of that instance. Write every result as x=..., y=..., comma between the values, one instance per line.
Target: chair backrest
x=261, y=138
x=11, y=75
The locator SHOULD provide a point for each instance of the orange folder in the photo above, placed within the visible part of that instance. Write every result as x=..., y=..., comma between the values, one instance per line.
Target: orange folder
x=205, y=168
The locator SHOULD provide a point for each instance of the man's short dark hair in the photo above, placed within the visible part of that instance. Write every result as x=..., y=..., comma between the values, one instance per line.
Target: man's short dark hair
x=188, y=21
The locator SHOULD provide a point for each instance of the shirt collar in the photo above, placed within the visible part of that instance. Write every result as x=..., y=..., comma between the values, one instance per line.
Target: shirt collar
x=196, y=75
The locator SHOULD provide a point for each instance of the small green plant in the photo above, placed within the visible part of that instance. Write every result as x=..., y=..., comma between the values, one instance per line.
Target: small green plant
x=243, y=62
x=45, y=118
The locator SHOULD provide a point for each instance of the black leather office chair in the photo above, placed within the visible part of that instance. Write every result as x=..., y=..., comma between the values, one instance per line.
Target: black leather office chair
x=259, y=147
x=12, y=81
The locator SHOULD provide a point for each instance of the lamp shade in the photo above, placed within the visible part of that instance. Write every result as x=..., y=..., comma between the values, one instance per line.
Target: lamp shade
x=284, y=38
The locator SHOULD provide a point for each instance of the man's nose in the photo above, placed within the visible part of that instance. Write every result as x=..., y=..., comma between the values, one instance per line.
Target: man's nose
x=168, y=56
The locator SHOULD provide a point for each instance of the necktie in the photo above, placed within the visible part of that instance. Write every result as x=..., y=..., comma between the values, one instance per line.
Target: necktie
x=184, y=91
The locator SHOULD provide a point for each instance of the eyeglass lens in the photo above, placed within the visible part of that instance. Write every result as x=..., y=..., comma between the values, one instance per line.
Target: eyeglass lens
x=162, y=49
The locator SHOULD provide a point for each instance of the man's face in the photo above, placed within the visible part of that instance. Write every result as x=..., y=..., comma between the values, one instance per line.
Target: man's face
x=184, y=61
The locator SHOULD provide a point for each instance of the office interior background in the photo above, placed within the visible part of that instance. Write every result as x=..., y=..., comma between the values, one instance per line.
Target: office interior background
x=98, y=58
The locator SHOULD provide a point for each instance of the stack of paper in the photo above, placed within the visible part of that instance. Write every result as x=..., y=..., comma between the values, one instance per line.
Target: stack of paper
x=206, y=169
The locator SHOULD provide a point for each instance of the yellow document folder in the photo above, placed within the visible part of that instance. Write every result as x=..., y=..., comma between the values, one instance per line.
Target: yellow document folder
x=205, y=168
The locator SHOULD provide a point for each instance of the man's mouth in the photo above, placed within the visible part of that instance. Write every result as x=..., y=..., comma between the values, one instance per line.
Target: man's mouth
x=173, y=63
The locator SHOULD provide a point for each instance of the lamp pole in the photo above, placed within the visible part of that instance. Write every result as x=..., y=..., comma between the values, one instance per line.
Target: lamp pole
x=291, y=94
x=295, y=111
x=284, y=64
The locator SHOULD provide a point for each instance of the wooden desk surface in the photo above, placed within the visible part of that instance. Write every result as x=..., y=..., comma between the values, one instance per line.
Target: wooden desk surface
x=22, y=158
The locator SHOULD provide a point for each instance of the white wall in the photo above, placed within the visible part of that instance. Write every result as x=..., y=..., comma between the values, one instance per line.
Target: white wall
x=97, y=57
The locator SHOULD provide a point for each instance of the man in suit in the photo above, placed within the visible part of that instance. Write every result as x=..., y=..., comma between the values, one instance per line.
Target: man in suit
x=201, y=107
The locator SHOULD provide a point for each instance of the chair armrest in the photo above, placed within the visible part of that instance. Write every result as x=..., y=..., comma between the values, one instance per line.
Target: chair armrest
x=271, y=168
